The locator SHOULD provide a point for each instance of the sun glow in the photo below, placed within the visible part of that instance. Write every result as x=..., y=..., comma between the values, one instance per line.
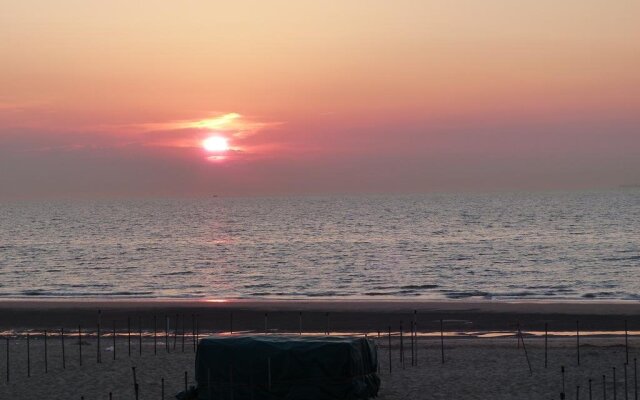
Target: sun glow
x=215, y=144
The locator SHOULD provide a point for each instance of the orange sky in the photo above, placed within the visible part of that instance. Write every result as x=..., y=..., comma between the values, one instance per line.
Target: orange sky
x=97, y=97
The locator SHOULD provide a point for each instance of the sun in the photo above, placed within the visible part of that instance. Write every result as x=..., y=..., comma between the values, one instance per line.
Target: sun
x=216, y=144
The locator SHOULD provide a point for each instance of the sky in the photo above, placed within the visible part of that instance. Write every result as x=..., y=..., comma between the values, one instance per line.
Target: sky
x=102, y=99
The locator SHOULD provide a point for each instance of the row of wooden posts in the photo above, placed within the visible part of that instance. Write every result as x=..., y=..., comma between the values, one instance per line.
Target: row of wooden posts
x=614, y=384
x=195, y=335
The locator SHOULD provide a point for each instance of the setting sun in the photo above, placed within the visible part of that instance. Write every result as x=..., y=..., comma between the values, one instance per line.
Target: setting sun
x=215, y=144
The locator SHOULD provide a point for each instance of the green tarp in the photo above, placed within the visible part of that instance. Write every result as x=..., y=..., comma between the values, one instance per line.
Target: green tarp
x=286, y=367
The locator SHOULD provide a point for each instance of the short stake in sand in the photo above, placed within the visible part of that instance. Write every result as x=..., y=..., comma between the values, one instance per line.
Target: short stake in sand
x=578, y=392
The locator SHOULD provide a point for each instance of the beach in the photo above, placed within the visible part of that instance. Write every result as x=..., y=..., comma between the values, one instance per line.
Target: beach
x=482, y=355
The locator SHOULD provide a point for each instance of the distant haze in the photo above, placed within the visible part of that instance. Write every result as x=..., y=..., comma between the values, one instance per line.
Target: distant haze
x=115, y=98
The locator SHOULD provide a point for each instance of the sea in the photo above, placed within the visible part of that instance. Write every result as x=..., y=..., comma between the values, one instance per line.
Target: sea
x=497, y=246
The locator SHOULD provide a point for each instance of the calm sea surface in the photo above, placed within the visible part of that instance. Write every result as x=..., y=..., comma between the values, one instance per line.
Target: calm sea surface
x=499, y=246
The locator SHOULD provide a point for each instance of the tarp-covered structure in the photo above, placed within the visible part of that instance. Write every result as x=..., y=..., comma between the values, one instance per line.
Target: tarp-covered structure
x=286, y=367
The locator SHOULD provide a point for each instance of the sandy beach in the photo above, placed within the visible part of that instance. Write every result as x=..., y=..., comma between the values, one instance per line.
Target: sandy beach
x=482, y=356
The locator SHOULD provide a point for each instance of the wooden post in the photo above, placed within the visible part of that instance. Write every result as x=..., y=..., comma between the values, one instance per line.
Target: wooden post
x=193, y=331
x=99, y=356
x=183, y=333
x=389, y=349
x=578, y=341
x=626, y=341
x=114, y=340
x=129, y=335
x=197, y=330
x=46, y=360
x=546, y=334
x=415, y=332
x=64, y=362
x=231, y=323
x=562, y=395
x=442, y=340
x=175, y=333
x=401, y=347
x=300, y=323
x=155, y=335
x=412, y=357
x=28, y=357
x=266, y=319
x=80, y=344
x=139, y=335
x=185, y=381
x=135, y=383
x=517, y=335
x=166, y=333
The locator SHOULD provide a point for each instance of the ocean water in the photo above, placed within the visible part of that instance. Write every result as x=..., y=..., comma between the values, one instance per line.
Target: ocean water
x=583, y=245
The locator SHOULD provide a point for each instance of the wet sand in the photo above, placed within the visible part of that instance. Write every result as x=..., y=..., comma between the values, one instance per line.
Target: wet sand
x=343, y=315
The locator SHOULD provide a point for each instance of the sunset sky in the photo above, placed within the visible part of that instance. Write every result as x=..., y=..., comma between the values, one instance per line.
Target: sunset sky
x=115, y=98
